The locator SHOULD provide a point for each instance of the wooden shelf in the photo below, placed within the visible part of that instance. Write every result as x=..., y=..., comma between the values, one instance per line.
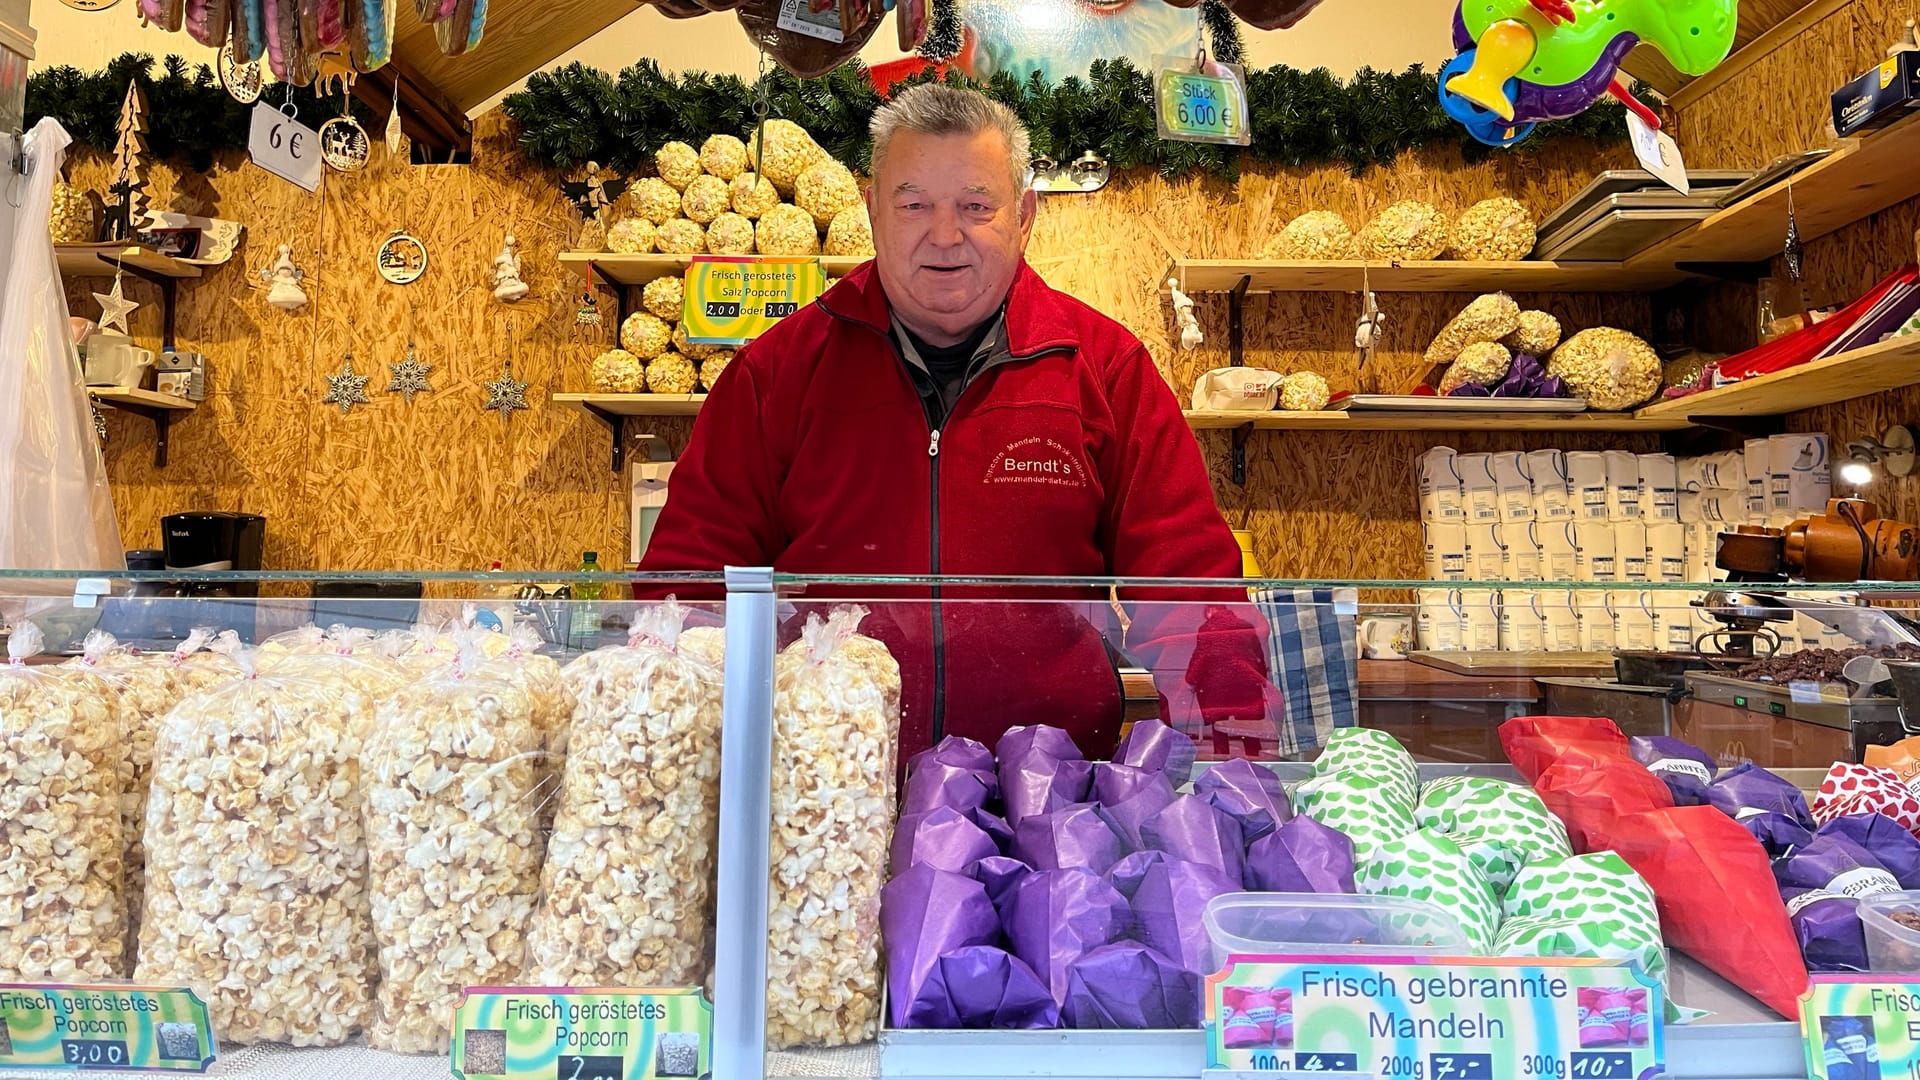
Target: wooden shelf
x=1872, y=370
x=1273, y=275
x=155, y=407
x=99, y=260
x=616, y=409
x=615, y=269
x=1369, y=420
x=1860, y=178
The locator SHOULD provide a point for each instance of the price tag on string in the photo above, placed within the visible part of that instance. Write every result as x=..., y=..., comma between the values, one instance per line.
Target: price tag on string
x=1658, y=154
x=1200, y=100
x=285, y=147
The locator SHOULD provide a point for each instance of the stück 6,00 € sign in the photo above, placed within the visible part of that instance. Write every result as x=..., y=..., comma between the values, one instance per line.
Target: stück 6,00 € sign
x=282, y=145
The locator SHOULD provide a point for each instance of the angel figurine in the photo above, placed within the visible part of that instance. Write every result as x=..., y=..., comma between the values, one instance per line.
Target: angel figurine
x=285, y=293
x=507, y=286
x=1184, y=317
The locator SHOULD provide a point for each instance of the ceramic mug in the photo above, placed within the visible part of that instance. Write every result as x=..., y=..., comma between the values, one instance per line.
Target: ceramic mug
x=1386, y=636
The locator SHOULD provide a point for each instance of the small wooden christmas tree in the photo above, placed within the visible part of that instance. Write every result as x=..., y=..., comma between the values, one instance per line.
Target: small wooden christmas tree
x=129, y=181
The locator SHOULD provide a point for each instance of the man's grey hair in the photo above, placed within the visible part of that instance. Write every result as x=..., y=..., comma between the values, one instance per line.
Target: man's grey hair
x=933, y=109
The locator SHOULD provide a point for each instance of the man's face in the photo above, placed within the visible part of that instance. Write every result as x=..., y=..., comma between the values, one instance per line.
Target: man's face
x=948, y=230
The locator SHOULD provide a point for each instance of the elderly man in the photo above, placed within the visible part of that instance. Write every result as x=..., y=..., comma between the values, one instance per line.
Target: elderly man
x=942, y=411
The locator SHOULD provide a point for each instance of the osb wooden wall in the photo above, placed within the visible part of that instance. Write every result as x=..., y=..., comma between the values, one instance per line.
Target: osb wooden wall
x=1778, y=106
x=441, y=485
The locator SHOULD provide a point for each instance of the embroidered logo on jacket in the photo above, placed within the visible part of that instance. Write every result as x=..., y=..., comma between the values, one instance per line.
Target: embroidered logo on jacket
x=1035, y=460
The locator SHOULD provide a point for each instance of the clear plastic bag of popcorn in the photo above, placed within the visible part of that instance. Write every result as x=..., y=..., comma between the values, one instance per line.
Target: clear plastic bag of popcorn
x=454, y=843
x=352, y=653
x=836, y=724
x=626, y=892
x=62, y=917
x=523, y=665
x=256, y=858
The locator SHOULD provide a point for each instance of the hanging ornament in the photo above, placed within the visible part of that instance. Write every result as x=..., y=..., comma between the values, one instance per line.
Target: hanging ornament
x=944, y=38
x=346, y=389
x=344, y=145
x=396, y=140
x=242, y=81
x=507, y=286
x=99, y=422
x=588, y=313
x=1794, y=249
x=286, y=293
x=90, y=5
x=505, y=395
x=1183, y=316
x=409, y=376
x=401, y=258
x=114, y=307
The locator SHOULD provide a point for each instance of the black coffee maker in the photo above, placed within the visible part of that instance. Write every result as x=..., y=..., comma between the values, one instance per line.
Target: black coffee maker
x=156, y=614
x=214, y=540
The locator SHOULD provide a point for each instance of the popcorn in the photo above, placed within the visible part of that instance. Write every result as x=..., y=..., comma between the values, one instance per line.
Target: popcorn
x=1497, y=229
x=787, y=230
x=256, y=858
x=712, y=366
x=723, y=156
x=631, y=236
x=681, y=237
x=664, y=297
x=687, y=348
x=617, y=371
x=730, y=234
x=706, y=198
x=672, y=373
x=1488, y=318
x=454, y=846
x=654, y=199
x=753, y=195
x=1316, y=234
x=850, y=232
x=71, y=219
x=1405, y=231
x=780, y=151
x=645, y=336
x=824, y=190
x=626, y=889
x=836, y=719
x=61, y=913
x=1482, y=364
x=1611, y=368
x=1304, y=391
x=1537, y=334
x=677, y=164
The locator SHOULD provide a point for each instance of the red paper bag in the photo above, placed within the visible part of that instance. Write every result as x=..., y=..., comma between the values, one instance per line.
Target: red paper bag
x=1534, y=742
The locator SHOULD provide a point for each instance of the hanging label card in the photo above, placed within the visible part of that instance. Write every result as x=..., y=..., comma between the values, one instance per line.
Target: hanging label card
x=284, y=146
x=1441, y=1018
x=1658, y=154
x=529, y=1033
x=814, y=18
x=731, y=301
x=1862, y=1026
x=1203, y=103
x=108, y=1027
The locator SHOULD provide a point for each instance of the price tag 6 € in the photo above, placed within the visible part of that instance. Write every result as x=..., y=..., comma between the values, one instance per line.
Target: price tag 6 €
x=1204, y=102
x=284, y=146
x=1658, y=154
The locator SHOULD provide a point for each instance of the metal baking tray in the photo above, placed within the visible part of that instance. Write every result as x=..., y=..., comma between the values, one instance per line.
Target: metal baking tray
x=1435, y=403
x=1623, y=181
x=1615, y=234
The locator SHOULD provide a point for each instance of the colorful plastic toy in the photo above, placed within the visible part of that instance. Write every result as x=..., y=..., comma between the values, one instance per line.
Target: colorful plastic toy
x=1523, y=61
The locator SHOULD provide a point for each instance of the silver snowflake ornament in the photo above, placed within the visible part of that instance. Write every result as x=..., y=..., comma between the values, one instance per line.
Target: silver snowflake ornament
x=504, y=395
x=346, y=389
x=409, y=376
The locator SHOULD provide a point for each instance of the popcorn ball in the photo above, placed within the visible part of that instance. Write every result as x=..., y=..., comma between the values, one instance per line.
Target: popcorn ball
x=1406, y=231
x=1482, y=364
x=631, y=236
x=723, y=156
x=677, y=164
x=71, y=219
x=1494, y=229
x=664, y=297
x=687, y=348
x=787, y=230
x=654, y=199
x=627, y=885
x=681, y=237
x=454, y=846
x=1537, y=334
x=781, y=151
x=61, y=913
x=824, y=190
x=256, y=858
x=617, y=371
x=712, y=366
x=1488, y=318
x=730, y=234
x=706, y=198
x=645, y=335
x=671, y=373
x=850, y=232
x=1316, y=234
x=1304, y=391
x=836, y=718
x=753, y=195
x=1611, y=368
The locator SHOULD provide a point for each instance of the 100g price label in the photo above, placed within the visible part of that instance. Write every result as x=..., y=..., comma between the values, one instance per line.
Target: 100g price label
x=94, y=1053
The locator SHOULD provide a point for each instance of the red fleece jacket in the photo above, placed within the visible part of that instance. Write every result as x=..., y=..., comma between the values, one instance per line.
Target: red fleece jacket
x=814, y=455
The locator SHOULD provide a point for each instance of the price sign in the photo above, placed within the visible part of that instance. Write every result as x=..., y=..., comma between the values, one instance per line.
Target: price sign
x=1861, y=1026
x=107, y=1027
x=1206, y=102
x=1658, y=154
x=285, y=147
x=536, y=1034
x=1441, y=1018
x=731, y=301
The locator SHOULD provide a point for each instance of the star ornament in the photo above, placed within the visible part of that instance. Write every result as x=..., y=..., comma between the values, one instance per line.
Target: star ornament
x=114, y=307
x=505, y=395
x=346, y=389
x=409, y=376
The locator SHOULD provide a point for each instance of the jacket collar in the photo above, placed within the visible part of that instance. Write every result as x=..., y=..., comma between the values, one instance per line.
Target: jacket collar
x=1036, y=316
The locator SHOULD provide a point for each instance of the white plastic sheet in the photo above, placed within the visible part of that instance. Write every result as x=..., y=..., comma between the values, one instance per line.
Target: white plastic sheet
x=56, y=511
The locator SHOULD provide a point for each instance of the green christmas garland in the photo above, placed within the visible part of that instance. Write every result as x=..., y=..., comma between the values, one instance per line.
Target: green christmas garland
x=577, y=114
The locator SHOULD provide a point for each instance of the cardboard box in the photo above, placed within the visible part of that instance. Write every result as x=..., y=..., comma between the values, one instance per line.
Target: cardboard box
x=1880, y=97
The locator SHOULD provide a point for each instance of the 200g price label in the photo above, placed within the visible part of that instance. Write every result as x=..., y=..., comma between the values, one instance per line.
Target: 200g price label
x=723, y=309
x=94, y=1053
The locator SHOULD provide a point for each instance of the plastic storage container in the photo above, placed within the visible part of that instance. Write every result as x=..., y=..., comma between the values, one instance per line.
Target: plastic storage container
x=1335, y=924
x=1890, y=946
